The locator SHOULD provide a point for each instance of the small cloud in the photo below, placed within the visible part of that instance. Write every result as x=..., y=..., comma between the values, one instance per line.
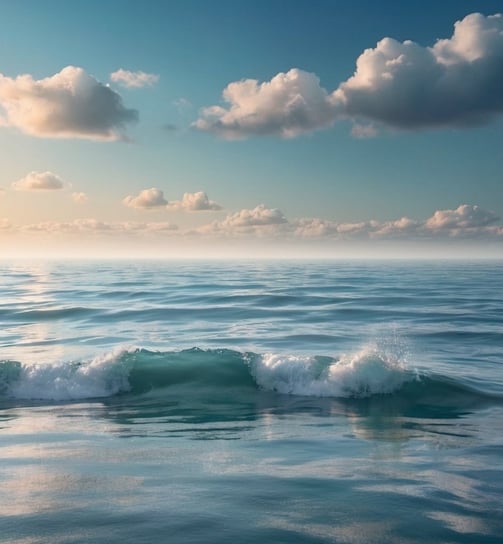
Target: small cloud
x=288, y=105
x=315, y=228
x=69, y=104
x=403, y=227
x=261, y=221
x=362, y=132
x=80, y=198
x=40, y=181
x=257, y=217
x=183, y=104
x=194, y=202
x=465, y=216
x=136, y=80
x=147, y=199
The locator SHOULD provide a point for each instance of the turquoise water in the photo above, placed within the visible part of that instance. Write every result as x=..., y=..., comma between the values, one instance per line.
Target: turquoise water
x=280, y=402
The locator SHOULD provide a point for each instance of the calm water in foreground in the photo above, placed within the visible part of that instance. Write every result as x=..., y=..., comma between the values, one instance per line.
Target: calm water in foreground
x=280, y=402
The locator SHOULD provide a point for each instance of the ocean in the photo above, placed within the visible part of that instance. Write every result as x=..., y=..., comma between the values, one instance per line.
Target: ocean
x=251, y=402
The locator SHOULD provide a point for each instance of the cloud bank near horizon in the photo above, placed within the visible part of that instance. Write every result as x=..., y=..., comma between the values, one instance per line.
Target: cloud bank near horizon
x=466, y=222
x=456, y=82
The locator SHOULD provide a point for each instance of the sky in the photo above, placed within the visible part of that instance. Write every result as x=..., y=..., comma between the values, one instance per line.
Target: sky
x=264, y=128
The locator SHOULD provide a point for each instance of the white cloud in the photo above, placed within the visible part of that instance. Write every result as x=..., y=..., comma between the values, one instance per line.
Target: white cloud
x=325, y=228
x=80, y=198
x=69, y=104
x=260, y=221
x=456, y=82
x=133, y=79
x=463, y=217
x=194, y=202
x=257, y=217
x=39, y=181
x=147, y=199
x=154, y=198
x=466, y=221
x=288, y=105
x=403, y=227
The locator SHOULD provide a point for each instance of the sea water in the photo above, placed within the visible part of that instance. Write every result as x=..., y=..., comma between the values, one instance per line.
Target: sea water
x=245, y=402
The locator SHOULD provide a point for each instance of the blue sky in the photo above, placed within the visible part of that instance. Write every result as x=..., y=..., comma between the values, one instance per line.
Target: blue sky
x=337, y=172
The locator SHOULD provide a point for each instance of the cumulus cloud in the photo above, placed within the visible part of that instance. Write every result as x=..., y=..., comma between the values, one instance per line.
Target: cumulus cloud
x=194, y=202
x=257, y=217
x=463, y=217
x=398, y=228
x=136, y=80
x=288, y=105
x=80, y=198
x=69, y=104
x=39, y=181
x=261, y=221
x=458, y=81
x=147, y=199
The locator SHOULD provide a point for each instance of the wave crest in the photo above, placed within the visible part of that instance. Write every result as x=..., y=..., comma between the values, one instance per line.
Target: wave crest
x=103, y=376
x=365, y=373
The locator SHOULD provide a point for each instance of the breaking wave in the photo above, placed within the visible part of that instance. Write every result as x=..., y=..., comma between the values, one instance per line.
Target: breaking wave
x=366, y=373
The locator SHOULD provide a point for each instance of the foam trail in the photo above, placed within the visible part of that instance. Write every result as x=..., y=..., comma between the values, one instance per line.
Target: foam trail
x=365, y=373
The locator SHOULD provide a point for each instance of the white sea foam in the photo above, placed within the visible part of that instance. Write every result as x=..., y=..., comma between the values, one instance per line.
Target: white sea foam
x=103, y=376
x=367, y=372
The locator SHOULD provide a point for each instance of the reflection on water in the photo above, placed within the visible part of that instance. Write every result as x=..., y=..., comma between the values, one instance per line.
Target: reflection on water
x=299, y=467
